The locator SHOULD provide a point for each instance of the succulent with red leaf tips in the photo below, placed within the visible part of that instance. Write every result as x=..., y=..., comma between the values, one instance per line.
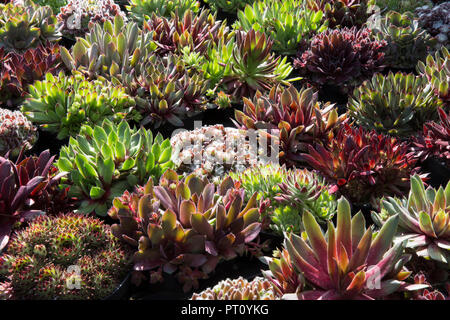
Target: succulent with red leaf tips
x=350, y=261
x=167, y=92
x=47, y=259
x=282, y=275
x=27, y=188
x=254, y=67
x=424, y=220
x=362, y=165
x=196, y=31
x=341, y=57
x=18, y=71
x=16, y=132
x=343, y=13
x=427, y=293
x=435, y=140
x=437, y=71
x=296, y=119
x=185, y=226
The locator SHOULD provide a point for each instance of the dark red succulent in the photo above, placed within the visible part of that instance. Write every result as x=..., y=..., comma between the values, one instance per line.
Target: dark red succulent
x=28, y=188
x=343, y=13
x=363, y=165
x=435, y=140
x=341, y=57
x=18, y=71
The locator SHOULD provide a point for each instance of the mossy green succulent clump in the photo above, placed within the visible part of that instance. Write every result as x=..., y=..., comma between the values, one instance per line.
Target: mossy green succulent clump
x=64, y=257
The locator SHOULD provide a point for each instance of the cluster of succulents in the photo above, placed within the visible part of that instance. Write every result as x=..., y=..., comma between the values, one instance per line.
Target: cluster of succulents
x=350, y=262
x=29, y=188
x=363, y=165
x=214, y=150
x=434, y=142
x=140, y=10
x=407, y=41
x=54, y=4
x=17, y=133
x=185, y=226
x=105, y=160
x=167, y=92
x=294, y=119
x=61, y=104
x=114, y=50
x=254, y=67
x=238, y=289
x=26, y=25
x=19, y=70
x=284, y=194
x=64, y=257
x=402, y=6
x=228, y=6
x=303, y=102
x=341, y=57
x=436, y=20
x=76, y=16
x=288, y=23
x=423, y=220
x=437, y=71
x=397, y=104
x=343, y=13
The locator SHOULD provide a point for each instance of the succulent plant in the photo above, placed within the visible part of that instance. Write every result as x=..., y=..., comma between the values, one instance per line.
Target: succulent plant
x=28, y=189
x=238, y=289
x=424, y=220
x=27, y=25
x=284, y=194
x=436, y=20
x=16, y=132
x=142, y=9
x=228, y=6
x=401, y=6
x=167, y=92
x=40, y=259
x=104, y=161
x=185, y=227
x=397, y=104
x=407, y=41
x=253, y=67
x=303, y=191
x=213, y=150
x=19, y=70
x=349, y=262
x=437, y=71
x=62, y=104
x=77, y=15
x=115, y=51
x=54, y=4
x=196, y=31
x=427, y=293
x=281, y=274
x=343, y=13
x=435, y=140
x=341, y=57
x=295, y=119
x=363, y=165
x=287, y=23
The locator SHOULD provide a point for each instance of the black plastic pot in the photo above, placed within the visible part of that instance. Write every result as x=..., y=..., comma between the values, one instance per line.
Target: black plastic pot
x=275, y=241
x=245, y=267
x=122, y=291
x=439, y=172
